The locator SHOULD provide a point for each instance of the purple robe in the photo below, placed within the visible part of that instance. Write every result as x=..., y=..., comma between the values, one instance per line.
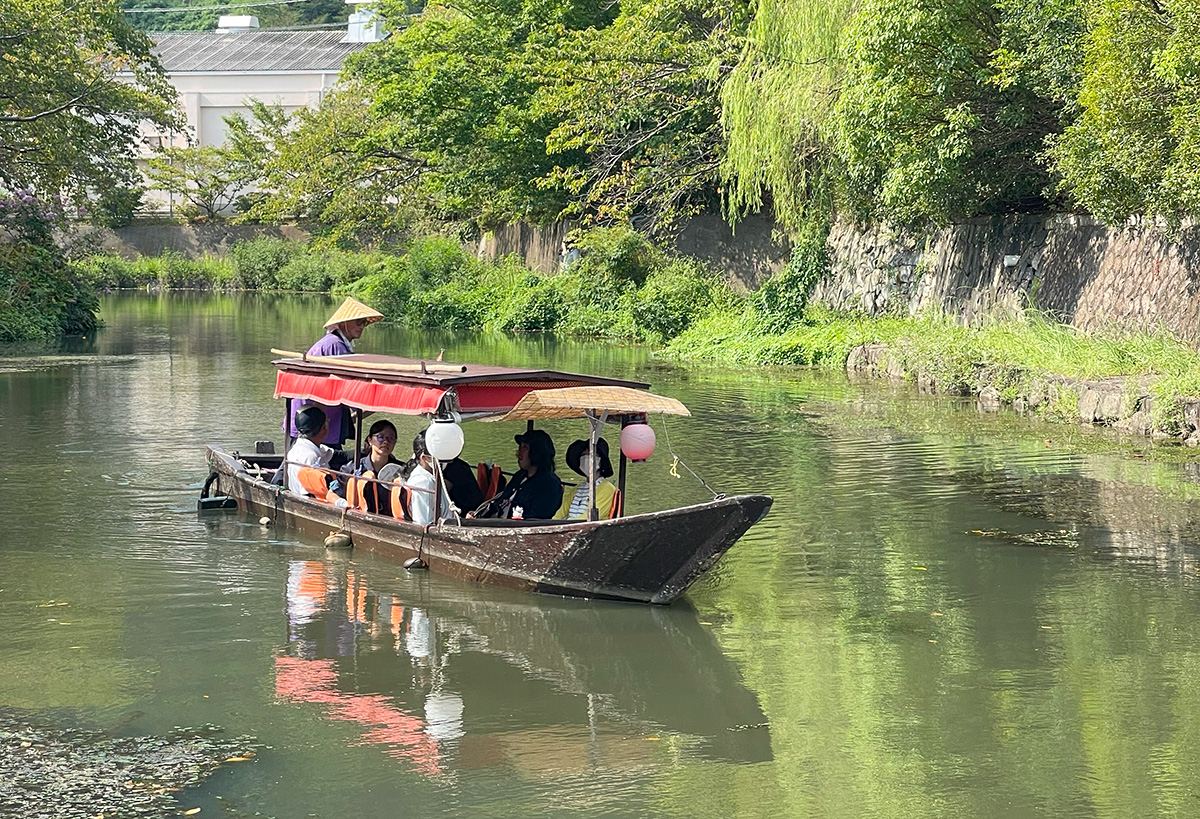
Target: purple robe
x=341, y=426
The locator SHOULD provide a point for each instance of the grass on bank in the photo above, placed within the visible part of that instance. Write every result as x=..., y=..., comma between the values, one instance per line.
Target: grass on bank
x=625, y=288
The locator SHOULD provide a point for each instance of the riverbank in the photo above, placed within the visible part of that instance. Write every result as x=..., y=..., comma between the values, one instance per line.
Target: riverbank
x=622, y=287
x=1141, y=383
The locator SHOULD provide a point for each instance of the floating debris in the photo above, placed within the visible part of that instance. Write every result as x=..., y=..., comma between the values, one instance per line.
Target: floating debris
x=66, y=773
x=1059, y=539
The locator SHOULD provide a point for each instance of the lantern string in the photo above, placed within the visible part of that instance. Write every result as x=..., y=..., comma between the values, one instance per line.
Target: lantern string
x=667, y=437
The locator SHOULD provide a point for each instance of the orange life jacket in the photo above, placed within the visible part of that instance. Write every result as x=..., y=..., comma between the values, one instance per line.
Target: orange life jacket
x=616, y=511
x=488, y=480
x=400, y=503
x=314, y=482
x=359, y=489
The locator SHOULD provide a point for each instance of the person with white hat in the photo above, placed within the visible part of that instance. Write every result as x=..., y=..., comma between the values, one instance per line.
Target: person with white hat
x=342, y=330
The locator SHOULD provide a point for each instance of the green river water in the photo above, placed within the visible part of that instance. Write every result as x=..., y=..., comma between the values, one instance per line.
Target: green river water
x=946, y=614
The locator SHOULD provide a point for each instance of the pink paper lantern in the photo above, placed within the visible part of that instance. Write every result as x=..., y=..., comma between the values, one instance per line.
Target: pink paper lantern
x=637, y=442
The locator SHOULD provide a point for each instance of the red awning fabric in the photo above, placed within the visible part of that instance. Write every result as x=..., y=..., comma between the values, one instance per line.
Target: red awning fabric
x=371, y=396
x=478, y=398
x=498, y=397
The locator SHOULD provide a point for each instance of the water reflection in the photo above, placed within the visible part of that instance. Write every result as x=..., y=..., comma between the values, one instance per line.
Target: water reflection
x=946, y=614
x=538, y=687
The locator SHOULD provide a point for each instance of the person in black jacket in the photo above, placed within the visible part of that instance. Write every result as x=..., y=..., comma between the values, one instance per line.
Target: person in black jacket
x=535, y=492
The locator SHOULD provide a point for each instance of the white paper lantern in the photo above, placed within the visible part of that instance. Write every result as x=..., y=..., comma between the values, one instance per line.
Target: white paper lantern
x=637, y=442
x=444, y=440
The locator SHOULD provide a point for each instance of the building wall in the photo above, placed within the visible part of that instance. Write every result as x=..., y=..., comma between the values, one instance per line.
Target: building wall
x=206, y=98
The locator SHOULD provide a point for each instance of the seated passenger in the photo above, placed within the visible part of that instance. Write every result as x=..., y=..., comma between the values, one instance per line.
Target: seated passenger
x=382, y=439
x=575, y=507
x=461, y=484
x=535, y=492
x=458, y=476
x=422, y=485
x=312, y=425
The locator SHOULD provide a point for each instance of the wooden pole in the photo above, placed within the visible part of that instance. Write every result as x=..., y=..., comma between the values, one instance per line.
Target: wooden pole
x=621, y=487
x=287, y=426
x=358, y=419
x=420, y=367
x=593, y=427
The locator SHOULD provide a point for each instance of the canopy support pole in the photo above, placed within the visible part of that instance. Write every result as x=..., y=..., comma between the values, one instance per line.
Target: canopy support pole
x=595, y=423
x=358, y=416
x=287, y=426
x=621, y=475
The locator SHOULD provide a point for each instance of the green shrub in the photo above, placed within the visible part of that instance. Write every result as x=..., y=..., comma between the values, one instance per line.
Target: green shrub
x=305, y=271
x=536, y=307
x=782, y=300
x=452, y=306
x=41, y=296
x=619, y=252
x=171, y=269
x=107, y=271
x=257, y=262
x=348, y=268
x=390, y=290
x=435, y=260
x=672, y=299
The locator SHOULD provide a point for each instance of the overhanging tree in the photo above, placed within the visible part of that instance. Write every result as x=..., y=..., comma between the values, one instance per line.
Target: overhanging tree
x=75, y=81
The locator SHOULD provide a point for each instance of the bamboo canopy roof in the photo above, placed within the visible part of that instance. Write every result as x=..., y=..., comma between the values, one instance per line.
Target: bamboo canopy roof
x=577, y=402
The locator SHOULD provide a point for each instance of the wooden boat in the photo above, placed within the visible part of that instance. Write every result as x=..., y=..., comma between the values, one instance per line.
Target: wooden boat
x=651, y=558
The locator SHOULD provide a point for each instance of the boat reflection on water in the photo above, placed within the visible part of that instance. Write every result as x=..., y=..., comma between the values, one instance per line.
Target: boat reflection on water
x=447, y=679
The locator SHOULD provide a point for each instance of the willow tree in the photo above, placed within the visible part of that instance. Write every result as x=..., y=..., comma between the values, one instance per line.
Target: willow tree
x=775, y=108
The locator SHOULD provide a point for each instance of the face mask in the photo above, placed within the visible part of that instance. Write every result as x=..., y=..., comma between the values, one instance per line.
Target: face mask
x=585, y=463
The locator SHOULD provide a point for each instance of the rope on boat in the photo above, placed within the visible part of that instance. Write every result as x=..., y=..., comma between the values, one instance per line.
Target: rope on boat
x=677, y=461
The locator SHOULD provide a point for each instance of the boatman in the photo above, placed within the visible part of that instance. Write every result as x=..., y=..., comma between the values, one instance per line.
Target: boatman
x=342, y=330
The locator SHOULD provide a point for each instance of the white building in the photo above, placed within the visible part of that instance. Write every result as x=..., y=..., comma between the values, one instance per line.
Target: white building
x=218, y=72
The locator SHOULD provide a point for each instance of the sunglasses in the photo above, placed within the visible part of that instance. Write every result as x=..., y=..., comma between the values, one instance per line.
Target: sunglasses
x=385, y=439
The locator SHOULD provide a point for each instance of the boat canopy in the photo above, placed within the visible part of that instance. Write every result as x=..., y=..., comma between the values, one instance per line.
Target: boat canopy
x=582, y=402
x=409, y=386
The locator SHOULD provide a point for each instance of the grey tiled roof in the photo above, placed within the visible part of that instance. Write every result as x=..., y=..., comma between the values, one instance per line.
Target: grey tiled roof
x=252, y=50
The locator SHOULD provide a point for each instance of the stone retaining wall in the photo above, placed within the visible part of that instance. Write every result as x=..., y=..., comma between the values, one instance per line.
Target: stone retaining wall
x=1120, y=403
x=1089, y=275
x=1086, y=274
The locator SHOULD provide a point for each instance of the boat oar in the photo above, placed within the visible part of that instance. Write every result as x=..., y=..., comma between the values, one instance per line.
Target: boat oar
x=420, y=367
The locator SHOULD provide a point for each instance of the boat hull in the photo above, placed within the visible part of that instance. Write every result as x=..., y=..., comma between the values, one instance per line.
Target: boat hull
x=650, y=558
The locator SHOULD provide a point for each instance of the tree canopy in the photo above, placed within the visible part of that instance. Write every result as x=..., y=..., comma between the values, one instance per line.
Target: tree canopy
x=647, y=111
x=75, y=81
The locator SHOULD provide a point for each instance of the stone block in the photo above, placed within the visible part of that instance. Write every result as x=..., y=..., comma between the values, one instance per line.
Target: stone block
x=1112, y=402
x=1089, y=405
x=1191, y=413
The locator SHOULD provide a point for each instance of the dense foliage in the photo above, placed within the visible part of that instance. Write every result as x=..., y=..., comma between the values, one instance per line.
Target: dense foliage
x=645, y=112
x=487, y=111
x=41, y=296
x=75, y=81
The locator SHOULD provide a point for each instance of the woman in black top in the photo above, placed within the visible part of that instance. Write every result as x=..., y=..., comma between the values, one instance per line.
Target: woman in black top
x=535, y=492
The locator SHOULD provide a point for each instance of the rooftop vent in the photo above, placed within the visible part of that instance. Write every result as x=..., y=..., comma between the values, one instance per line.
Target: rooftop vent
x=233, y=23
x=365, y=25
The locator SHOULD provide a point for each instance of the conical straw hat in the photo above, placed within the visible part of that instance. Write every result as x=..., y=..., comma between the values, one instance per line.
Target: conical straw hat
x=350, y=310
